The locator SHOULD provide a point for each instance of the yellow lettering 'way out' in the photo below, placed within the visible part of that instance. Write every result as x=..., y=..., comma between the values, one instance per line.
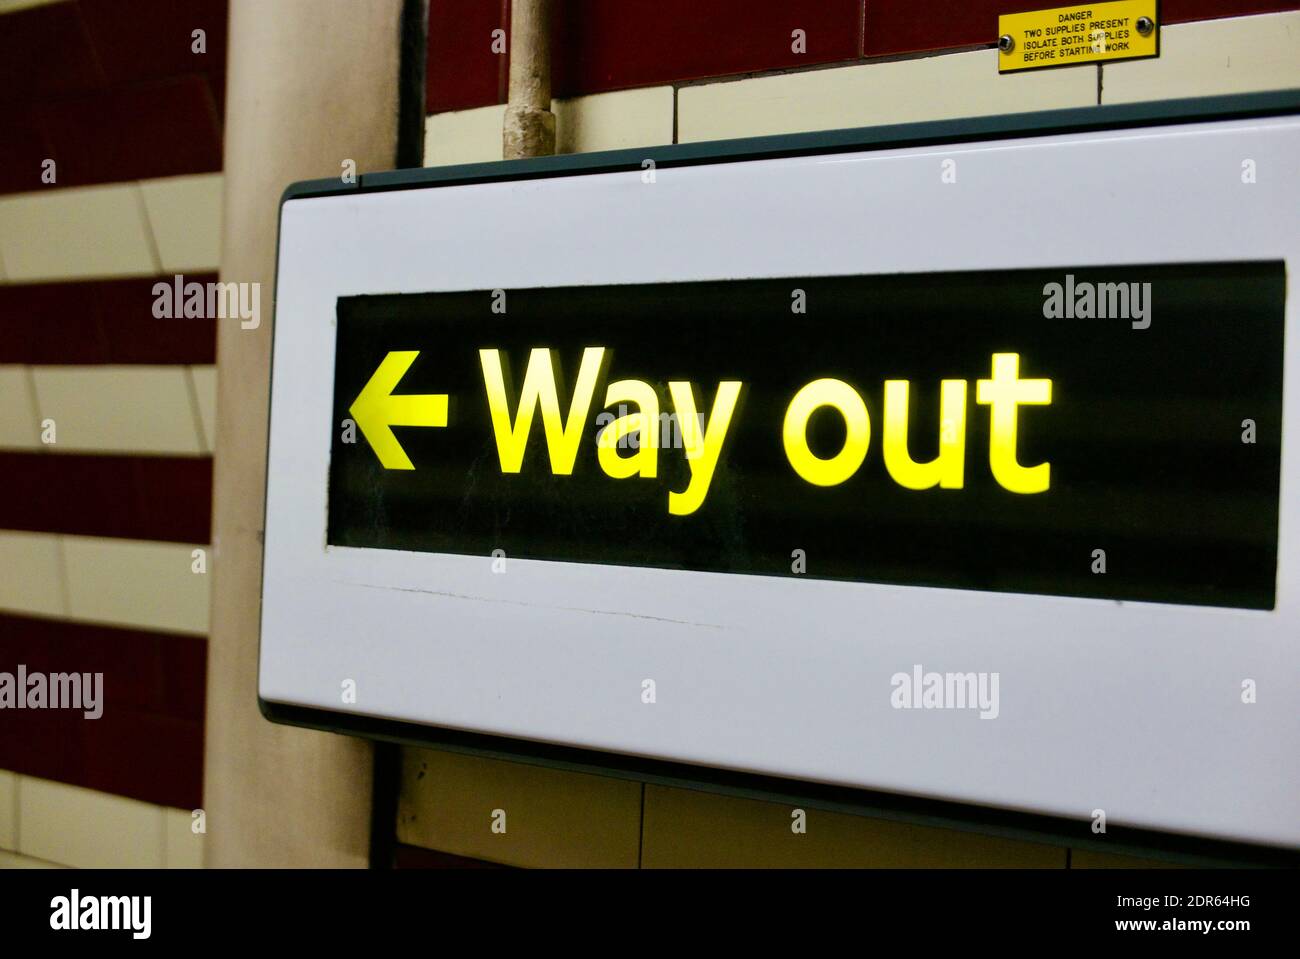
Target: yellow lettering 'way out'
x=702, y=448
x=704, y=426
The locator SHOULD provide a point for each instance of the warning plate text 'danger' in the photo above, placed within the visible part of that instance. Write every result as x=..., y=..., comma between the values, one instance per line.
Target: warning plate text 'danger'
x=1090, y=33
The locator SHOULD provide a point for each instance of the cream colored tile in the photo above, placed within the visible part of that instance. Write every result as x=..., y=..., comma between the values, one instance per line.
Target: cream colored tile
x=613, y=121
x=121, y=409
x=88, y=829
x=463, y=136
x=33, y=574
x=8, y=810
x=204, y=379
x=19, y=425
x=688, y=829
x=929, y=88
x=552, y=818
x=10, y=6
x=1088, y=859
x=75, y=233
x=1233, y=55
x=603, y=121
x=184, y=847
x=185, y=214
x=134, y=583
x=12, y=860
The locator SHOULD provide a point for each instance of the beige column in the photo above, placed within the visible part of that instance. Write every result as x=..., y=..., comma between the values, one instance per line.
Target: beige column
x=311, y=84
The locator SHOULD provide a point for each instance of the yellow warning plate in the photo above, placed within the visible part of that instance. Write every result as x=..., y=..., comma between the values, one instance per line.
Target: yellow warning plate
x=1091, y=33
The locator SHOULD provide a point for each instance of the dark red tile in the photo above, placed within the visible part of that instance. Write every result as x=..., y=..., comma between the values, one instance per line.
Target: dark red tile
x=99, y=321
x=158, y=759
x=602, y=46
x=173, y=498
x=1177, y=11
x=23, y=149
x=42, y=743
x=128, y=659
x=50, y=323
x=168, y=128
x=921, y=25
x=148, y=742
x=44, y=494
x=46, y=52
x=85, y=137
x=162, y=498
x=892, y=27
x=143, y=670
x=153, y=129
x=134, y=335
x=463, y=72
x=150, y=39
x=111, y=90
x=183, y=668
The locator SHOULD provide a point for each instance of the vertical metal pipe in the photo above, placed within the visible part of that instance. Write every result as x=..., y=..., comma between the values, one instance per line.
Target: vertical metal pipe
x=529, y=128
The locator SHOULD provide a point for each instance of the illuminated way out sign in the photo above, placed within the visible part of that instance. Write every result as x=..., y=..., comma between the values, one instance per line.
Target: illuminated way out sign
x=980, y=430
x=736, y=460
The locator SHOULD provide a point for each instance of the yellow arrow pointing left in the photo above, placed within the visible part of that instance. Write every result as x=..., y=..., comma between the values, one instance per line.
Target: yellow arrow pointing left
x=376, y=409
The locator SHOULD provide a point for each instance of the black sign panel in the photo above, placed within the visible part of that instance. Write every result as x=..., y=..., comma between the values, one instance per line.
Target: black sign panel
x=1104, y=432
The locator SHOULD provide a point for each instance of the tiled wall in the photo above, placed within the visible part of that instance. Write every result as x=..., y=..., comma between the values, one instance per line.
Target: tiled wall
x=1234, y=54
x=47, y=824
x=98, y=528
x=600, y=46
x=111, y=90
x=648, y=72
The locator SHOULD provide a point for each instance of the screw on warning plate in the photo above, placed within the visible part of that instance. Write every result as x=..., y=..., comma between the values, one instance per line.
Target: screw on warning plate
x=1007, y=43
x=1145, y=25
